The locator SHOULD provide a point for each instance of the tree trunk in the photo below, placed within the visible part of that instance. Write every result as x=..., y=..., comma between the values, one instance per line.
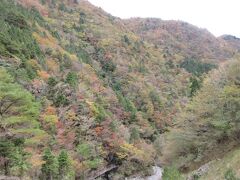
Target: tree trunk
x=6, y=168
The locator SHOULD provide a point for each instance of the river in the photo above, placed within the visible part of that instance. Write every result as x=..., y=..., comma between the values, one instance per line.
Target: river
x=157, y=175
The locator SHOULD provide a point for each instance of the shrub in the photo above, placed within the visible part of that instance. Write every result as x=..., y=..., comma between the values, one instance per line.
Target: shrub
x=89, y=156
x=171, y=173
x=134, y=135
x=67, y=62
x=195, y=84
x=83, y=55
x=62, y=7
x=106, y=62
x=108, y=66
x=61, y=100
x=16, y=20
x=72, y=79
x=126, y=39
x=93, y=164
x=82, y=18
x=49, y=122
x=43, y=2
x=230, y=175
x=56, y=34
x=116, y=85
x=84, y=150
x=53, y=3
x=113, y=126
x=52, y=81
x=156, y=100
x=99, y=112
x=127, y=105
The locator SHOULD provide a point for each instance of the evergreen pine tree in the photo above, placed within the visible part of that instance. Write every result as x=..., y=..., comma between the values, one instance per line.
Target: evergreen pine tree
x=50, y=167
x=63, y=164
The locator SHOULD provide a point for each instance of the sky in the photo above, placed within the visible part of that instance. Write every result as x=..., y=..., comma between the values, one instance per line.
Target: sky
x=218, y=16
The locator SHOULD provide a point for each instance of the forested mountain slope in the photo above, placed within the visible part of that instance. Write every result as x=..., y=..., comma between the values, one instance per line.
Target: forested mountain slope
x=81, y=94
x=208, y=127
x=183, y=38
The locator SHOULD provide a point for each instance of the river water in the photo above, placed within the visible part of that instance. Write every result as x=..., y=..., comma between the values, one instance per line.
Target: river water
x=157, y=175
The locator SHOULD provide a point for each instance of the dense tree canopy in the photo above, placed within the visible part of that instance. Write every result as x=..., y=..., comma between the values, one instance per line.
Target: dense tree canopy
x=18, y=110
x=84, y=94
x=211, y=121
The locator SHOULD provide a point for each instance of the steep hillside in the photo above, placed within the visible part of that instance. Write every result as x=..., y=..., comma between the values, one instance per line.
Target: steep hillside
x=226, y=168
x=209, y=125
x=104, y=95
x=221, y=168
x=231, y=41
x=83, y=96
x=182, y=38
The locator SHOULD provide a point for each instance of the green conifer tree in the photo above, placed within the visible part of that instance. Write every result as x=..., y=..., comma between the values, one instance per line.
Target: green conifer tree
x=50, y=167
